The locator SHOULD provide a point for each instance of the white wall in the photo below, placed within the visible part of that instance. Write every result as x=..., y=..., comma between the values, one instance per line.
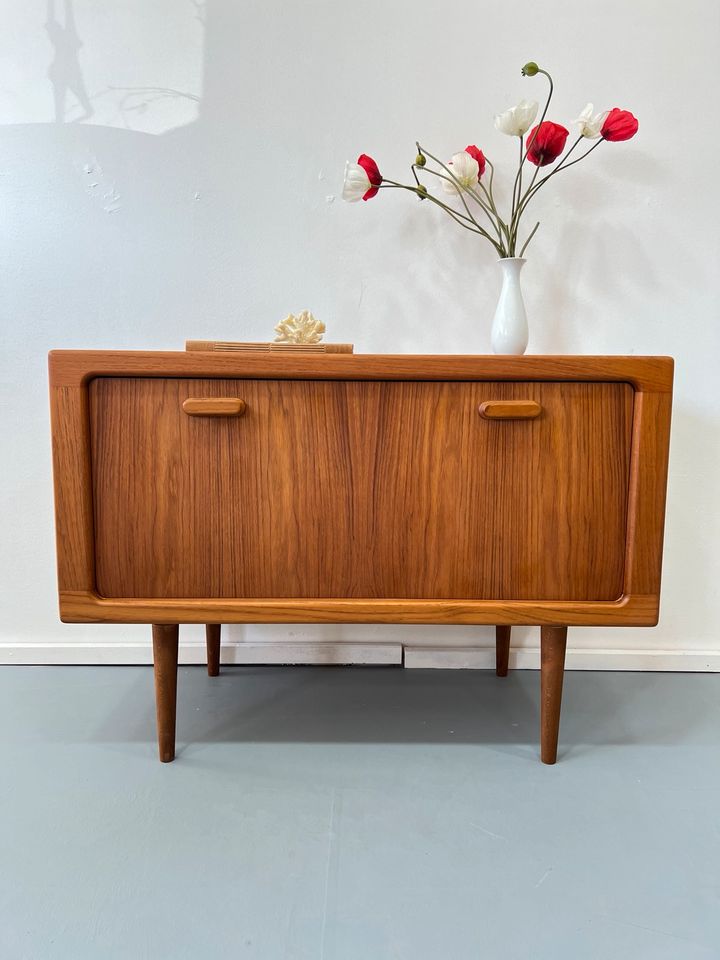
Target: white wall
x=201, y=199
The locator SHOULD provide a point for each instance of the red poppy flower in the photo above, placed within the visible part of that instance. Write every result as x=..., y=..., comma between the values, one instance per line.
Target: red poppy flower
x=619, y=125
x=478, y=155
x=374, y=176
x=548, y=143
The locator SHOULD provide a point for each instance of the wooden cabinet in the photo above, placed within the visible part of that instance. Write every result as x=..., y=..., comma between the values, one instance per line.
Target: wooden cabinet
x=223, y=488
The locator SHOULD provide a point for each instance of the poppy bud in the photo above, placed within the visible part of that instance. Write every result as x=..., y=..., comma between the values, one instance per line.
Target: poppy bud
x=530, y=69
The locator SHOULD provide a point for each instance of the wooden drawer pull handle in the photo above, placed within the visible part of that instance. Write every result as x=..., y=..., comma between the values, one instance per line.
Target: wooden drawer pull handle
x=510, y=409
x=214, y=406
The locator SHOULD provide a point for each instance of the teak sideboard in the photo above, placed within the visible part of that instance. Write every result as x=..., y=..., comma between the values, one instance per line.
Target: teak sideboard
x=226, y=488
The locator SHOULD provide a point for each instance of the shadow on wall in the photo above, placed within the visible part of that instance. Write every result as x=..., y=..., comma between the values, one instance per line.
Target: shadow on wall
x=135, y=69
x=100, y=115
x=64, y=72
x=136, y=139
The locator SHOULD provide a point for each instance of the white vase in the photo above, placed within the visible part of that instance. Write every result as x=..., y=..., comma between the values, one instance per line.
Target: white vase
x=510, y=329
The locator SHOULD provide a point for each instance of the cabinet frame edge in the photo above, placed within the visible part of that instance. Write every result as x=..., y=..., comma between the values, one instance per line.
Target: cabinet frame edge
x=71, y=372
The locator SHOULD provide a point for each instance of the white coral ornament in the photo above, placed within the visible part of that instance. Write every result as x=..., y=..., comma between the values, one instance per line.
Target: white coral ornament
x=303, y=328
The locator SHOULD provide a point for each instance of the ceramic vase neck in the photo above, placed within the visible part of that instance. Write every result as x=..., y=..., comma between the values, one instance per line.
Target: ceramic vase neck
x=512, y=265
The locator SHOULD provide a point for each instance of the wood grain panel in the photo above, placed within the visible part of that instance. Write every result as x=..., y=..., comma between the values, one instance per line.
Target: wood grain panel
x=73, y=488
x=352, y=489
x=214, y=507
x=502, y=510
x=648, y=490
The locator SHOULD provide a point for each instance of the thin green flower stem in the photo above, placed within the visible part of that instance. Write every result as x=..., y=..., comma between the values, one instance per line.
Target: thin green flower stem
x=456, y=217
x=501, y=222
x=472, y=191
x=561, y=166
x=532, y=234
x=490, y=200
x=563, y=160
x=517, y=186
x=456, y=185
x=526, y=198
x=495, y=219
x=459, y=218
x=394, y=183
x=542, y=117
x=490, y=205
x=489, y=208
x=389, y=184
x=520, y=171
x=492, y=177
x=486, y=209
x=460, y=188
x=489, y=189
x=491, y=196
x=500, y=247
x=544, y=113
x=490, y=211
x=563, y=163
x=515, y=223
x=533, y=188
x=453, y=178
x=532, y=141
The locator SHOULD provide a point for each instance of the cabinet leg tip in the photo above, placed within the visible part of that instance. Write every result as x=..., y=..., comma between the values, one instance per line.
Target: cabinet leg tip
x=167, y=756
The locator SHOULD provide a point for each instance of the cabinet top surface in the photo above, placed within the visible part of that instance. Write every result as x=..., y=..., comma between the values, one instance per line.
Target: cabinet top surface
x=76, y=367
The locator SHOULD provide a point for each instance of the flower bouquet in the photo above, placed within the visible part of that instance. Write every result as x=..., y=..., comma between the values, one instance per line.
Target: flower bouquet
x=468, y=197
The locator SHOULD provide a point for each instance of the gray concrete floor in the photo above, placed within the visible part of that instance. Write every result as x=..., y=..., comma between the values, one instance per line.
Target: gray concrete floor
x=358, y=814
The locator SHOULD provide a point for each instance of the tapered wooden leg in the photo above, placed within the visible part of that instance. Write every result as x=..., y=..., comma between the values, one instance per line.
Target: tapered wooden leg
x=502, y=650
x=553, y=641
x=165, y=657
x=212, y=640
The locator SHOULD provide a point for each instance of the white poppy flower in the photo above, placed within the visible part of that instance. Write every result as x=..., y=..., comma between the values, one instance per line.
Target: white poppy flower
x=516, y=121
x=357, y=182
x=465, y=169
x=590, y=125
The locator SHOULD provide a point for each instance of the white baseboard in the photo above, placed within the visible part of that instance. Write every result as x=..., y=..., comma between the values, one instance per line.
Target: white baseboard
x=528, y=658
x=323, y=654
x=329, y=653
